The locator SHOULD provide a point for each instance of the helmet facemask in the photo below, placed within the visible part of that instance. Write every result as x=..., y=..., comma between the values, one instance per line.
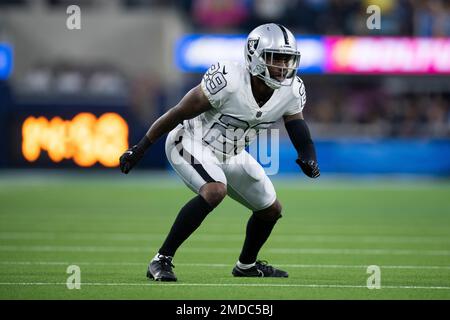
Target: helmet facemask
x=280, y=67
x=271, y=54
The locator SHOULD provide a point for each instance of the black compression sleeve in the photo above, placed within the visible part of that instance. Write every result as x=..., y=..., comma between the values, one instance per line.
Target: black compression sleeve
x=144, y=144
x=301, y=139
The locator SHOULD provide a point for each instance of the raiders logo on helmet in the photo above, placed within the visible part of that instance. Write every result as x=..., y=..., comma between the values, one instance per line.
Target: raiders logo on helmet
x=252, y=44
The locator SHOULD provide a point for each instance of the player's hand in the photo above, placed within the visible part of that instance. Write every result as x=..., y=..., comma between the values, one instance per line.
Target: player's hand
x=130, y=158
x=309, y=167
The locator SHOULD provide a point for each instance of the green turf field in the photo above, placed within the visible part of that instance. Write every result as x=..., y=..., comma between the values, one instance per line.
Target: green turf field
x=331, y=231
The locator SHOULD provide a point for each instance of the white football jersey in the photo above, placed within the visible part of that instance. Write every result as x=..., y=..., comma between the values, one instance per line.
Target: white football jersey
x=235, y=119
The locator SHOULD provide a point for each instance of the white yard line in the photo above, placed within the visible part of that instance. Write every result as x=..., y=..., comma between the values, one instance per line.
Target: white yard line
x=130, y=249
x=17, y=235
x=221, y=265
x=332, y=286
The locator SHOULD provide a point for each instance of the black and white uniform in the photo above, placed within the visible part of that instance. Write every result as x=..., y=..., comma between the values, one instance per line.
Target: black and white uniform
x=201, y=150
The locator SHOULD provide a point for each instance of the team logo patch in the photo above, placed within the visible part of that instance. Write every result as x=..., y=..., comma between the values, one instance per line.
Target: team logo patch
x=252, y=44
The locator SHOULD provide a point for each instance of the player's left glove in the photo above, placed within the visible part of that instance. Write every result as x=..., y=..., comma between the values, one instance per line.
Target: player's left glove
x=301, y=138
x=309, y=167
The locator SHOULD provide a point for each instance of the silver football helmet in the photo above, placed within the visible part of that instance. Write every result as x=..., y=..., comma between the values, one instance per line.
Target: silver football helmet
x=271, y=54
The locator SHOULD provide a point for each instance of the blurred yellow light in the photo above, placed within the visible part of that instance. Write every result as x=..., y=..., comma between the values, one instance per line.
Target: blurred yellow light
x=386, y=6
x=112, y=139
x=85, y=139
x=342, y=53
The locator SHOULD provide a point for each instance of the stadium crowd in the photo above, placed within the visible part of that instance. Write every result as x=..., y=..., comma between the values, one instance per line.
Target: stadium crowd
x=378, y=113
x=399, y=17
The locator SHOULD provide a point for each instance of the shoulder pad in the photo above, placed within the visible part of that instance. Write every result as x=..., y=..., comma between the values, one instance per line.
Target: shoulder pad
x=220, y=81
x=231, y=72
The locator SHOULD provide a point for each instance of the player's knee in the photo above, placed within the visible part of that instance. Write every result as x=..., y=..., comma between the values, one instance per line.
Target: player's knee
x=272, y=213
x=213, y=192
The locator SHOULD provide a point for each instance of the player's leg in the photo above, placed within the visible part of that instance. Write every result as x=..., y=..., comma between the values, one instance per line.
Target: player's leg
x=249, y=185
x=259, y=228
x=192, y=215
x=199, y=169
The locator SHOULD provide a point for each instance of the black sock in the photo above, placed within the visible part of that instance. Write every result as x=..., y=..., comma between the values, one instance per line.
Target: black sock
x=258, y=231
x=187, y=221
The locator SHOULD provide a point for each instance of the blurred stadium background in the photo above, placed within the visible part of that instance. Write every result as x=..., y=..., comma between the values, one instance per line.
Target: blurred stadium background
x=378, y=103
x=381, y=104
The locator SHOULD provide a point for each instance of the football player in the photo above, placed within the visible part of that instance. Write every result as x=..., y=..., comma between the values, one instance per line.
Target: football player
x=241, y=100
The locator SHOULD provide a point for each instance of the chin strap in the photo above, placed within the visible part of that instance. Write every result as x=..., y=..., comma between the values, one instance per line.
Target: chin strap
x=267, y=82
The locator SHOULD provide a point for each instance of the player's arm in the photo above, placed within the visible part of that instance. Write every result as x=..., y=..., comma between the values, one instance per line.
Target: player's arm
x=301, y=139
x=193, y=103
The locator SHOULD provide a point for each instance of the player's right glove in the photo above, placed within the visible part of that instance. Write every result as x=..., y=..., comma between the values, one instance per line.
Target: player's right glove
x=310, y=167
x=130, y=158
x=133, y=155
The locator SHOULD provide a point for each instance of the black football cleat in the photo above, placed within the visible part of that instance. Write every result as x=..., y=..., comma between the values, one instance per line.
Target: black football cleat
x=260, y=269
x=161, y=270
